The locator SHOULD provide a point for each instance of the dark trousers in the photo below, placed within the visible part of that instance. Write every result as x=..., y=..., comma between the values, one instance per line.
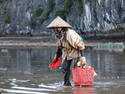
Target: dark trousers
x=66, y=70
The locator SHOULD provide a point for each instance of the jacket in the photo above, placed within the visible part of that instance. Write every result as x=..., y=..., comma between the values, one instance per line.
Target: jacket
x=71, y=45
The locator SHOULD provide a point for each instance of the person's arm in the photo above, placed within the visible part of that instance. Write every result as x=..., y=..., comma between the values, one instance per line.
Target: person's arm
x=74, y=40
x=58, y=53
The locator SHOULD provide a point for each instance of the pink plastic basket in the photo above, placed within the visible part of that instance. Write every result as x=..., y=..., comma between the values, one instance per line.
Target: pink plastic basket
x=83, y=77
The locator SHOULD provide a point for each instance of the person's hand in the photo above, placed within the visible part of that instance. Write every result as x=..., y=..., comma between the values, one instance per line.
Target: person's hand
x=81, y=52
x=56, y=58
x=58, y=54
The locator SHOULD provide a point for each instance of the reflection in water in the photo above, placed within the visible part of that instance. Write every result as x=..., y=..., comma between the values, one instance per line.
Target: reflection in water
x=107, y=64
x=28, y=67
x=23, y=64
x=23, y=60
x=30, y=61
x=83, y=90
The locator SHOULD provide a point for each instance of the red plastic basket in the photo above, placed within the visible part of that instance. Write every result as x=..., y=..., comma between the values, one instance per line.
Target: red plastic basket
x=83, y=77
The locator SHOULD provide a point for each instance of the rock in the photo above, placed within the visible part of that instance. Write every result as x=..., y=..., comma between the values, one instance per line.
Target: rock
x=101, y=15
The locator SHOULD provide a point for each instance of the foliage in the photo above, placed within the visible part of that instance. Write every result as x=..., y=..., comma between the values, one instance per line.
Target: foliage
x=64, y=12
x=7, y=20
x=5, y=11
x=60, y=13
x=38, y=12
x=1, y=1
x=41, y=20
x=45, y=17
x=80, y=7
x=87, y=1
x=113, y=1
x=67, y=5
x=32, y=23
x=104, y=3
x=51, y=4
x=47, y=13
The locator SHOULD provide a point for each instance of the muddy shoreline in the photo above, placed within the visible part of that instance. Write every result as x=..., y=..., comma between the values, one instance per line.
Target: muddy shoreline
x=42, y=41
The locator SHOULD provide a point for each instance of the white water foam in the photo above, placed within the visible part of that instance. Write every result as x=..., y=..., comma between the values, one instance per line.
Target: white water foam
x=22, y=91
x=33, y=89
x=45, y=86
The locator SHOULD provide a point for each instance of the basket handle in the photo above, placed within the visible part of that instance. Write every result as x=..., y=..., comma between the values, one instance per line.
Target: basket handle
x=82, y=65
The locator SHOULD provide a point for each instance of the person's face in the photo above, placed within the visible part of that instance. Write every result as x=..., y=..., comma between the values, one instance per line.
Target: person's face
x=58, y=32
x=57, y=29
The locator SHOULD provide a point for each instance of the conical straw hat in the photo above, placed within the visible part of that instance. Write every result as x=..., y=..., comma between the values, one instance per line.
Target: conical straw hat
x=58, y=22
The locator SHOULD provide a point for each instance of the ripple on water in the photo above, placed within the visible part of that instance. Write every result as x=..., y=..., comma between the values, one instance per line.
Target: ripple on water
x=43, y=89
x=15, y=80
x=106, y=84
x=46, y=86
x=28, y=90
x=22, y=91
x=33, y=89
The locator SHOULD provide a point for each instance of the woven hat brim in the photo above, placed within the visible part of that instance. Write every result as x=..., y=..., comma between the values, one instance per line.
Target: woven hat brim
x=58, y=22
x=52, y=27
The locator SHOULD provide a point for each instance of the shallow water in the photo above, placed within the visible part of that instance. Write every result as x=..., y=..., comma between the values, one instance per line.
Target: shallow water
x=25, y=71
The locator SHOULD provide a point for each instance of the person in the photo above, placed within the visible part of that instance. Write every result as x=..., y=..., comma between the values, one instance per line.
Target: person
x=70, y=46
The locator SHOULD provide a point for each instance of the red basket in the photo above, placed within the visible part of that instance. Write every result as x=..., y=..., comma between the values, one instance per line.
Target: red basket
x=83, y=77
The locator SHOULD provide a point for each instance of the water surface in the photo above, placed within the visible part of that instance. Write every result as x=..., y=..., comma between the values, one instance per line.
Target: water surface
x=25, y=71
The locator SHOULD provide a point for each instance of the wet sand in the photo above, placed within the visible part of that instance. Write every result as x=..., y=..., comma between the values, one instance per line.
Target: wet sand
x=33, y=41
x=27, y=44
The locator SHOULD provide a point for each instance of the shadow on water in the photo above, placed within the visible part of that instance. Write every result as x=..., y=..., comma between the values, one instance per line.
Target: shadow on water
x=26, y=71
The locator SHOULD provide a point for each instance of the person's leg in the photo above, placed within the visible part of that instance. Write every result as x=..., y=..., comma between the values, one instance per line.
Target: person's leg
x=67, y=74
x=66, y=70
